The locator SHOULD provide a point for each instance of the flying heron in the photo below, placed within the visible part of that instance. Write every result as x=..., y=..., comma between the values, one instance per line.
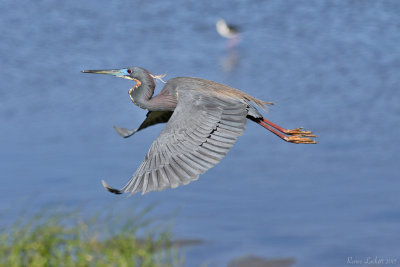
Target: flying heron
x=205, y=119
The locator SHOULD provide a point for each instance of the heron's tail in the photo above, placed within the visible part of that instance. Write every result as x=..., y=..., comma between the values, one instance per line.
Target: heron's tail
x=261, y=103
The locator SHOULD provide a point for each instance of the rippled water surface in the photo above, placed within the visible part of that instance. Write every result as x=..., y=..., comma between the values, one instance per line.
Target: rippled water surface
x=331, y=66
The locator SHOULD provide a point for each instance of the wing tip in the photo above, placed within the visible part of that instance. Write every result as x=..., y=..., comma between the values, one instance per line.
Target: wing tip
x=125, y=133
x=110, y=189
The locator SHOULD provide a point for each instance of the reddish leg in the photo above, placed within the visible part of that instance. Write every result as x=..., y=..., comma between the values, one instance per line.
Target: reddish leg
x=298, y=131
x=293, y=138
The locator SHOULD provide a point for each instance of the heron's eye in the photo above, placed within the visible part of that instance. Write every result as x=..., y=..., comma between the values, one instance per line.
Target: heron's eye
x=129, y=71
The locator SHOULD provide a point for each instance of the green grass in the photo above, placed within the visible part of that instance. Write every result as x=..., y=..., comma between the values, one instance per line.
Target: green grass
x=52, y=238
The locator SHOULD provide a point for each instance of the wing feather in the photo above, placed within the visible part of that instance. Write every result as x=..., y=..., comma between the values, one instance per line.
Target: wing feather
x=197, y=136
x=164, y=180
x=173, y=177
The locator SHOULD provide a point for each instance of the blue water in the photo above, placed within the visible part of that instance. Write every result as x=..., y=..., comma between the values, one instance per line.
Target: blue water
x=330, y=66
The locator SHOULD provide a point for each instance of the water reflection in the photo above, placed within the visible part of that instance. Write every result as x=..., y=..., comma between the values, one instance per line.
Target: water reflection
x=230, y=60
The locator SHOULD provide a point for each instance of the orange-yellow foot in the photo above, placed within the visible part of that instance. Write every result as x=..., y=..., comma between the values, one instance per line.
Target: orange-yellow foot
x=299, y=131
x=299, y=139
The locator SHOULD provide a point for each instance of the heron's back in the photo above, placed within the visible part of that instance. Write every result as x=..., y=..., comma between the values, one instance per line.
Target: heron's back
x=212, y=88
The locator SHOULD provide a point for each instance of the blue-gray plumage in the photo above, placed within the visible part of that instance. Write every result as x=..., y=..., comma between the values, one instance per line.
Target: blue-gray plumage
x=205, y=118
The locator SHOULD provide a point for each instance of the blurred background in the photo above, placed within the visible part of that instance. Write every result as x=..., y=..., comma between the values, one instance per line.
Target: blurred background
x=330, y=66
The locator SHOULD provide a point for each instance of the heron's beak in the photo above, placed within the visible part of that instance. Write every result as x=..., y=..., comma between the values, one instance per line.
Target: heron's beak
x=123, y=73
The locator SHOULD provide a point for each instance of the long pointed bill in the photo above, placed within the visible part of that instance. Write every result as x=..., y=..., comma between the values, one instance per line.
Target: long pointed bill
x=123, y=73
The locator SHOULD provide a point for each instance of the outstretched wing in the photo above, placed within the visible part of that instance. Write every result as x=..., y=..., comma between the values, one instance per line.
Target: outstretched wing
x=152, y=118
x=197, y=136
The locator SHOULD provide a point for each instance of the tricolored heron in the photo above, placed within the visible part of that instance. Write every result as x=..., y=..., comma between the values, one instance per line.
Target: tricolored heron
x=205, y=119
x=228, y=31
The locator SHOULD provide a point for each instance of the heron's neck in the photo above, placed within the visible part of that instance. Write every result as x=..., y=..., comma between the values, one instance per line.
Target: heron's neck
x=141, y=95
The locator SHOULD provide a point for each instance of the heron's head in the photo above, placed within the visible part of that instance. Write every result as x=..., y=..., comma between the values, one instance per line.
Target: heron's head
x=130, y=73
